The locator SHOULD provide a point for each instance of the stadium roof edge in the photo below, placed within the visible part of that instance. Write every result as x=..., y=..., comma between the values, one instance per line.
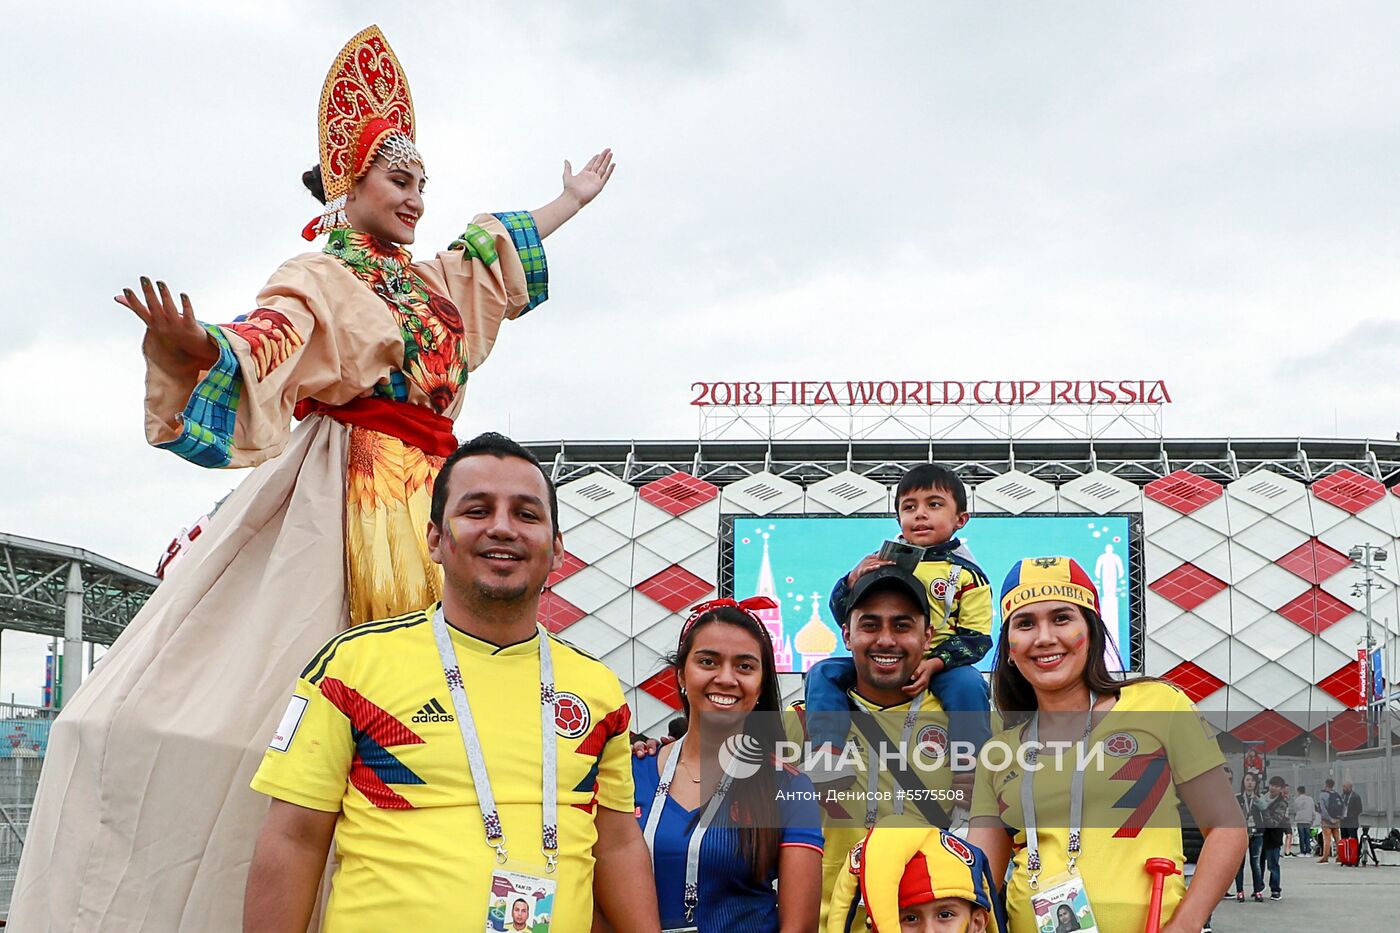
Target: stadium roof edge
x=68, y=552
x=1056, y=460
x=34, y=581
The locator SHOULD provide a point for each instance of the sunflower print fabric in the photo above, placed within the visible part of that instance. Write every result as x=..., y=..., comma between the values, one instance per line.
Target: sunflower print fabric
x=388, y=496
x=434, y=340
x=389, y=484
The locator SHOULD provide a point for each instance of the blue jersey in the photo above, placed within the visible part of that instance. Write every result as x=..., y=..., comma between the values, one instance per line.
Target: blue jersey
x=730, y=898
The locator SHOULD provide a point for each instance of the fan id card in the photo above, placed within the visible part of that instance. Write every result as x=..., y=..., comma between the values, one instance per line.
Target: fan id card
x=522, y=900
x=1061, y=905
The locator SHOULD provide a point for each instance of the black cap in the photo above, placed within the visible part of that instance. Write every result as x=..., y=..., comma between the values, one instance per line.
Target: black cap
x=888, y=578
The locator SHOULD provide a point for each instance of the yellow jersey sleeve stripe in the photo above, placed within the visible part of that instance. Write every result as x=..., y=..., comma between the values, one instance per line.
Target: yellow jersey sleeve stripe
x=314, y=671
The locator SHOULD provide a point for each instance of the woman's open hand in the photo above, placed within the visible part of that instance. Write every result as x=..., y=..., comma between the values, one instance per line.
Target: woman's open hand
x=584, y=186
x=175, y=329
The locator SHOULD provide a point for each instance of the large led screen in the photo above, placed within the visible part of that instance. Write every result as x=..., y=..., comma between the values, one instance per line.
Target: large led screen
x=796, y=559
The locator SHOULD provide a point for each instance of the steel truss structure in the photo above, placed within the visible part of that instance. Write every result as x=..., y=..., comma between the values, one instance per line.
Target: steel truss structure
x=35, y=583
x=1055, y=461
x=915, y=422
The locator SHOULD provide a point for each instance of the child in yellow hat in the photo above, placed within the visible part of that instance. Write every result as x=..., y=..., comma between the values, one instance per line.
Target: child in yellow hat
x=915, y=880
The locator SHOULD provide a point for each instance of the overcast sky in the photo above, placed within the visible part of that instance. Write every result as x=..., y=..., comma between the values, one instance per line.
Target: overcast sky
x=1205, y=193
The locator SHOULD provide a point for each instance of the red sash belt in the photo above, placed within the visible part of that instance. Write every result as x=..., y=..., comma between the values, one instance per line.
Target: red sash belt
x=413, y=424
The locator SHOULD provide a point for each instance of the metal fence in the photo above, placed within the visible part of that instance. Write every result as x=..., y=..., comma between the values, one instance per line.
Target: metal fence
x=24, y=738
x=1365, y=770
x=1368, y=778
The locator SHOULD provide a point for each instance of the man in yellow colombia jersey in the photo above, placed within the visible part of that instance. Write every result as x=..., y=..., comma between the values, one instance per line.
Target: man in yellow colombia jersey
x=374, y=746
x=887, y=631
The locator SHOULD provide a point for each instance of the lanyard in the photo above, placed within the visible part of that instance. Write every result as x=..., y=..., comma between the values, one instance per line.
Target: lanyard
x=1076, y=797
x=692, y=851
x=1247, y=805
x=872, y=766
x=490, y=816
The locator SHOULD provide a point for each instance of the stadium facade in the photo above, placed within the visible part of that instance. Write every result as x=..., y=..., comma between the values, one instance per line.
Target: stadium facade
x=1240, y=583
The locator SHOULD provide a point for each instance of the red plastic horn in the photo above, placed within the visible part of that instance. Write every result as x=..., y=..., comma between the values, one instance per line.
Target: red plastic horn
x=1159, y=869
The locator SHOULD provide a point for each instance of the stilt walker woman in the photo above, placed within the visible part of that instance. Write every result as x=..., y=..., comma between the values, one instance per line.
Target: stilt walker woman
x=144, y=819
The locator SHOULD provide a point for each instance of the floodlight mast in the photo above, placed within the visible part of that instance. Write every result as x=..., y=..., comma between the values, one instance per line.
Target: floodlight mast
x=1367, y=556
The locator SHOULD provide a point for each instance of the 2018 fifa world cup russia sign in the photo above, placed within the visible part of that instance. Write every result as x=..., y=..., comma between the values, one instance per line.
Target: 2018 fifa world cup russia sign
x=929, y=393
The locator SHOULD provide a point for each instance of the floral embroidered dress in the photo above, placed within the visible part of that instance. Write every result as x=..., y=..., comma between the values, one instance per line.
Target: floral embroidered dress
x=144, y=819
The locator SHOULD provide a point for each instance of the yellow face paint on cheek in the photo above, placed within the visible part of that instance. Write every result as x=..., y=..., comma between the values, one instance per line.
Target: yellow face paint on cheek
x=449, y=535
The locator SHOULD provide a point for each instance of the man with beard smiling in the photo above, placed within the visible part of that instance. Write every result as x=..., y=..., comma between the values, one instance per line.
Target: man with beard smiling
x=887, y=631
x=438, y=744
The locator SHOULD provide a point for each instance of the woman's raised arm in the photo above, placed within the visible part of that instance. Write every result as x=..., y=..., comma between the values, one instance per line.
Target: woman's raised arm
x=578, y=191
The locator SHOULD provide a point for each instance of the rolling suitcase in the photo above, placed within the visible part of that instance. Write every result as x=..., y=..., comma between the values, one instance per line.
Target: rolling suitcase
x=1348, y=851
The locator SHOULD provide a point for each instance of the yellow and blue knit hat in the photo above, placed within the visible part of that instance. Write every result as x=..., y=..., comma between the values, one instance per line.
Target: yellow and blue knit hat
x=902, y=866
x=1041, y=579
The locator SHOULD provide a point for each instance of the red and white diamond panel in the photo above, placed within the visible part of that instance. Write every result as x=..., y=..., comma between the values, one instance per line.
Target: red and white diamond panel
x=1183, y=492
x=678, y=521
x=1349, y=491
x=596, y=515
x=623, y=544
x=1197, y=682
x=1252, y=602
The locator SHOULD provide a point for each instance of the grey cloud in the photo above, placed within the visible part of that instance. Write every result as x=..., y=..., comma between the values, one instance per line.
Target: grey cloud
x=1362, y=358
x=671, y=37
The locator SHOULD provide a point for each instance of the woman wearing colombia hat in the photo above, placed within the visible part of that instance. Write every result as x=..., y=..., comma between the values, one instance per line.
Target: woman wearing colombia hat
x=1144, y=749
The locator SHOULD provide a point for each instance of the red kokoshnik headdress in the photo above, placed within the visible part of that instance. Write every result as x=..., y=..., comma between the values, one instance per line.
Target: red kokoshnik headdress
x=365, y=107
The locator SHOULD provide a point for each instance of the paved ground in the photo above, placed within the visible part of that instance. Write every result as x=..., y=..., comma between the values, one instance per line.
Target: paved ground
x=1319, y=898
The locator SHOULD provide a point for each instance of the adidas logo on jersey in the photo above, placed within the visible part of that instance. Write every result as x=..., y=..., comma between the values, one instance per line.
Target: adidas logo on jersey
x=433, y=711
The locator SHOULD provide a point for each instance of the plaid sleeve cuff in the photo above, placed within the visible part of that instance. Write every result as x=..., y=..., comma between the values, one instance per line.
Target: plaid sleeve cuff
x=206, y=433
x=528, y=247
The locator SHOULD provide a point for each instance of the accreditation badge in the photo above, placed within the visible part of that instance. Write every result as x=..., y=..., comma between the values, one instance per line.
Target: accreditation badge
x=522, y=899
x=1061, y=904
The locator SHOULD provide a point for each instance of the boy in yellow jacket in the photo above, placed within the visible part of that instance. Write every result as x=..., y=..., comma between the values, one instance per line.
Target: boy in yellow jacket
x=931, y=505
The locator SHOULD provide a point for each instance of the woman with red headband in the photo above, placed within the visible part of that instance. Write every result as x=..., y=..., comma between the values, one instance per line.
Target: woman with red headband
x=144, y=819
x=722, y=819
x=1082, y=787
